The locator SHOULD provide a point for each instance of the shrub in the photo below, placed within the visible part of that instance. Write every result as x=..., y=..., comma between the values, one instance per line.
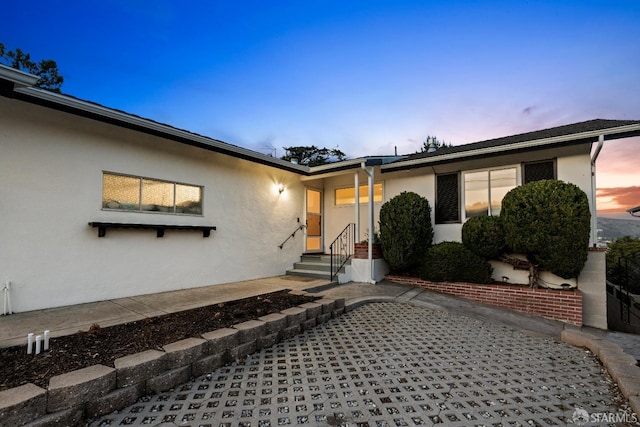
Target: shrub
x=550, y=222
x=453, y=262
x=484, y=236
x=405, y=231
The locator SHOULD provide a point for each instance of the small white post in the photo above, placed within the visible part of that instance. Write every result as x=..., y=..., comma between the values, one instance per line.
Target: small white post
x=46, y=340
x=29, y=343
x=38, y=343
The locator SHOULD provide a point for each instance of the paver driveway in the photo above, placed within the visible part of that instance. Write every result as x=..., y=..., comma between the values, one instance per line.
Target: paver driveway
x=391, y=364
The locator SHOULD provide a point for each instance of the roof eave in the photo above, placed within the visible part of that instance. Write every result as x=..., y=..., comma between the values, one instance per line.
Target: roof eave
x=108, y=115
x=17, y=77
x=581, y=137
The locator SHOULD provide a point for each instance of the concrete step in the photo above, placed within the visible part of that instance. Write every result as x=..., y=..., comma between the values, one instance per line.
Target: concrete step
x=308, y=273
x=309, y=265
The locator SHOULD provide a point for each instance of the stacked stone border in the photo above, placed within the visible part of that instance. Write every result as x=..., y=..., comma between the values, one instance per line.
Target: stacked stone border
x=563, y=305
x=98, y=390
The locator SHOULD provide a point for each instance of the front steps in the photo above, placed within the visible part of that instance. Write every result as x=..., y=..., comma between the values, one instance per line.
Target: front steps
x=312, y=265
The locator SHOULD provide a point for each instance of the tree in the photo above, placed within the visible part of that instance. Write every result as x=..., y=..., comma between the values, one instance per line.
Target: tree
x=46, y=69
x=432, y=143
x=312, y=155
x=550, y=222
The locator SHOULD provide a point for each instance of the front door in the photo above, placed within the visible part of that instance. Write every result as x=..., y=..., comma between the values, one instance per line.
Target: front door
x=314, y=221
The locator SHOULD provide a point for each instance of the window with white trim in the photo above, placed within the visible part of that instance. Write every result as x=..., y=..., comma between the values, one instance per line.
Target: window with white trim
x=447, y=198
x=484, y=190
x=139, y=194
x=347, y=195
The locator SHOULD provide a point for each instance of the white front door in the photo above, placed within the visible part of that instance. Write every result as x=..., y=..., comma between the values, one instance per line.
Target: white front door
x=314, y=241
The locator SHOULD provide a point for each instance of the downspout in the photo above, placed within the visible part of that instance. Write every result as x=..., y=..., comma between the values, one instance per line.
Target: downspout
x=594, y=219
x=369, y=172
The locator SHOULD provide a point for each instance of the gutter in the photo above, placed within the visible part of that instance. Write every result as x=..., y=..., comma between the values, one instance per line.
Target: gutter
x=502, y=149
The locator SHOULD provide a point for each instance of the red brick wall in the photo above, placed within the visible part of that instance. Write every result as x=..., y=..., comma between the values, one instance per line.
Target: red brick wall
x=361, y=250
x=563, y=305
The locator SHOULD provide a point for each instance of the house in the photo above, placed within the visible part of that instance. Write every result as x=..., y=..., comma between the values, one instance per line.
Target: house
x=96, y=203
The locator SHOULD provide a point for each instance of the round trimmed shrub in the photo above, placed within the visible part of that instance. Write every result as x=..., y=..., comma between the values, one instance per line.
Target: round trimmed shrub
x=453, y=262
x=550, y=222
x=484, y=236
x=405, y=231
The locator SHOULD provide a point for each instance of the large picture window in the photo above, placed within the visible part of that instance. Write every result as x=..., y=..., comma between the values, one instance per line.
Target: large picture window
x=140, y=194
x=484, y=191
x=347, y=196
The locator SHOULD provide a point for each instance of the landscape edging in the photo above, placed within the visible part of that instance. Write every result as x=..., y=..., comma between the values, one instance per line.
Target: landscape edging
x=155, y=371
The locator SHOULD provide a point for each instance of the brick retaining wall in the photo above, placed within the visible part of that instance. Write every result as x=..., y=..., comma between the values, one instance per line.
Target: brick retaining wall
x=563, y=305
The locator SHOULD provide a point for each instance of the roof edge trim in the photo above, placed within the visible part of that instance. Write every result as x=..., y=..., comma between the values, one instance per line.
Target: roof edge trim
x=537, y=143
x=162, y=129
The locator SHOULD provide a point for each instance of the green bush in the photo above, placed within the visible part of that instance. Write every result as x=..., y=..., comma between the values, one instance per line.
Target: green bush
x=453, y=262
x=625, y=272
x=405, y=231
x=484, y=236
x=550, y=222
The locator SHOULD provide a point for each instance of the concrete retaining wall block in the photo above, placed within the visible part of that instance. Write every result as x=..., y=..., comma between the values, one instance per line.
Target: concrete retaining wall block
x=19, y=405
x=78, y=387
x=117, y=399
x=184, y=352
x=169, y=379
x=220, y=340
x=139, y=367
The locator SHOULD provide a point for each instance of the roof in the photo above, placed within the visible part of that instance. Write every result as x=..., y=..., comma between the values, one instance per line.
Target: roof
x=576, y=133
x=19, y=85
x=634, y=211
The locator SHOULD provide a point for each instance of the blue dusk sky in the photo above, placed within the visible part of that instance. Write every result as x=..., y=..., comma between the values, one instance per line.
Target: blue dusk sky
x=367, y=77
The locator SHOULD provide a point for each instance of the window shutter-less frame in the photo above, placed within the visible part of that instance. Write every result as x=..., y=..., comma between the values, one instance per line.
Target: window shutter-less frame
x=537, y=171
x=447, y=198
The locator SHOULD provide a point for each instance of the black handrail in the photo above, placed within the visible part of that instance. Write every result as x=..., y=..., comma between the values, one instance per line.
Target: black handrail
x=300, y=227
x=341, y=250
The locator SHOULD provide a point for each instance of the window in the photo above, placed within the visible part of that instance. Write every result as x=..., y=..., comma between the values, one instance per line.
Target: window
x=537, y=171
x=447, y=199
x=138, y=194
x=484, y=191
x=347, y=196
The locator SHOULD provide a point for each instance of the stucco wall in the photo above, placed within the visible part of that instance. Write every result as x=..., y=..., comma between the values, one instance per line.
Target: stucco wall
x=51, y=187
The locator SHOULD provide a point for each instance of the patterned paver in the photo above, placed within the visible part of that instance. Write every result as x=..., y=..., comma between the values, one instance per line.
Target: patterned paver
x=391, y=364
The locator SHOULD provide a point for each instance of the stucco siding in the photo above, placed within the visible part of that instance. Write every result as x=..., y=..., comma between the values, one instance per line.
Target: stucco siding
x=51, y=187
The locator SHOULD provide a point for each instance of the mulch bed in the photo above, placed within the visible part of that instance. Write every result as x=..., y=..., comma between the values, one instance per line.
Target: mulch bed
x=104, y=345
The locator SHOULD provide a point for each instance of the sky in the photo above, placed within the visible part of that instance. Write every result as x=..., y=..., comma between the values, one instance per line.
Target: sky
x=367, y=77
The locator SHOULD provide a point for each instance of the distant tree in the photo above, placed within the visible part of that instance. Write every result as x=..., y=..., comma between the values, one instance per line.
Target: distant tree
x=313, y=156
x=47, y=69
x=432, y=143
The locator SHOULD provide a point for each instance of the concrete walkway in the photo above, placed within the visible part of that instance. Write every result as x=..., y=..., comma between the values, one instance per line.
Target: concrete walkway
x=71, y=319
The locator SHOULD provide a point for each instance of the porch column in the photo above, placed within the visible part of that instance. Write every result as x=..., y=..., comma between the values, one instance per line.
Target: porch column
x=356, y=179
x=370, y=173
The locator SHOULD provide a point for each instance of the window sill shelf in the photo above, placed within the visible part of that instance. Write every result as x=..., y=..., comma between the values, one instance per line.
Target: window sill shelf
x=160, y=228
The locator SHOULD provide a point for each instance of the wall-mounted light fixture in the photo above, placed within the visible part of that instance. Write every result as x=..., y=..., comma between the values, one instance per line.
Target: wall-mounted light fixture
x=280, y=188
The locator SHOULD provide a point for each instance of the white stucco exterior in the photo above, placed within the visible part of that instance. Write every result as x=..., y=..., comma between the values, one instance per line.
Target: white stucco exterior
x=52, y=164
x=54, y=150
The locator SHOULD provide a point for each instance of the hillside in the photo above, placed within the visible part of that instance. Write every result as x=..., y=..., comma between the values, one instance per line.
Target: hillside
x=609, y=228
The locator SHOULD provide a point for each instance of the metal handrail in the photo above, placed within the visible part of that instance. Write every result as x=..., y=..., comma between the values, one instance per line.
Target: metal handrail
x=342, y=248
x=300, y=227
